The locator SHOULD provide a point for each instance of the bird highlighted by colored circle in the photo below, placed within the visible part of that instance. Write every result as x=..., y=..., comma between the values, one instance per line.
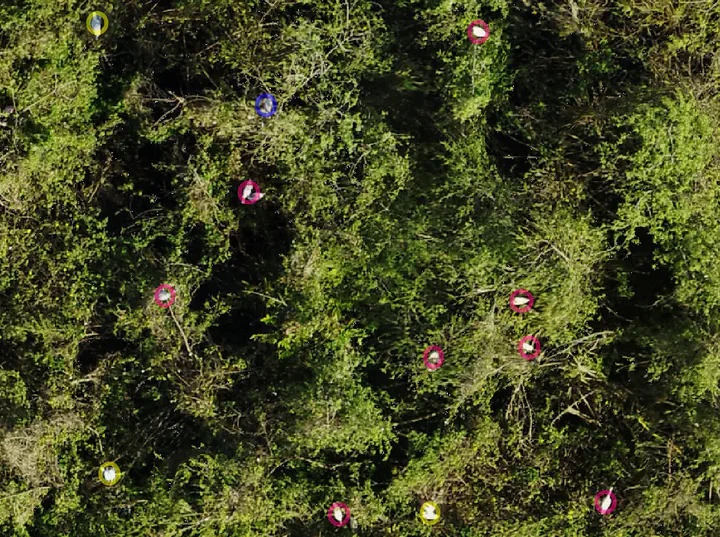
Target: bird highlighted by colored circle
x=266, y=105
x=434, y=357
x=338, y=514
x=529, y=347
x=249, y=192
x=165, y=295
x=97, y=23
x=478, y=32
x=429, y=513
x=521, y=301
x=607, y=504
x=109, y=474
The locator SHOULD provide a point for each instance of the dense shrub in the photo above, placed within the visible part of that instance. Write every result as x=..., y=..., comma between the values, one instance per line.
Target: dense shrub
x=412, y=181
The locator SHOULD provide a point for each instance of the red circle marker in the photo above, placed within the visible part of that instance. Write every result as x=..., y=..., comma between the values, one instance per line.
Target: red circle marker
x=338, y=505
x=537, y=348
x=255, y=198
x=426, y=355
x=527, y=306
x=478, y=40
x=604, y=493
x=172, y=296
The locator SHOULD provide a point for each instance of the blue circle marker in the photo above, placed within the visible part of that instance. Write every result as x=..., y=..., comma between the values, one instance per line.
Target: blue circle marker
x=261, y=105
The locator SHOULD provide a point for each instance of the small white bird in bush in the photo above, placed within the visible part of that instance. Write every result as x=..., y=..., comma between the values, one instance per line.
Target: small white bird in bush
x=249, y=193
x=96, y=23
x=266, y=105
x=109, y=474
x=429, y=512
x=164, y=295
x=606, y=502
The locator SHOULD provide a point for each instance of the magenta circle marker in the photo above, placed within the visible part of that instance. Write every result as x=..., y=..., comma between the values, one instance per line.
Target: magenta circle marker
x=478, y=40
x=165, y=287
x=338, y=505
x=527, y=306
x=426, y=355
x=599, y=508
x=537, y=348
x=255, y=198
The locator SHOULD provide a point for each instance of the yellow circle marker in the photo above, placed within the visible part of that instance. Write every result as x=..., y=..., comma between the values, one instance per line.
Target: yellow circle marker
x=92, y=23
x=429, y=513
x=109, y=474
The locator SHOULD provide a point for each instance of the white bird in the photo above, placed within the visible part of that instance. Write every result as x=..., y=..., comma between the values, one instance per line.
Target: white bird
x=338, y=514
x=429, y=512
x=96, y=23
x=528, y=346
x=266, y=105
x=606, y=502
x=478, y=31
x=520, y=300
x=434, y=357
x=247, y=192
x=164, y=295
x=109, y=473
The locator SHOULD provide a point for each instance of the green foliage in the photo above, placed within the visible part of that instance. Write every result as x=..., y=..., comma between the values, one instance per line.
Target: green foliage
x=412, y=181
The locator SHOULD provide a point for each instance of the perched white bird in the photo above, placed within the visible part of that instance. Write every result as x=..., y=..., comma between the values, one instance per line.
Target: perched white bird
x=606, y=502
x=96, y=23
x=338, y=514
x=109, y=473
x=529, y=346
x=266, y=105
x=434, y=357
x=429, y=512
x=478, y=31
x=520, y=300
x=248, y=192
x=164, y=295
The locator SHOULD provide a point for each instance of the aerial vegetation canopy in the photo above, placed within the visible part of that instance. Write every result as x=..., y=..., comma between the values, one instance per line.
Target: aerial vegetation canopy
x=389, y=268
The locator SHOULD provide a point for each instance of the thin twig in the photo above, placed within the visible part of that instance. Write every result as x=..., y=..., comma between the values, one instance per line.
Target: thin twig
x=416, y=419
x=182, y=332
x=280, y=300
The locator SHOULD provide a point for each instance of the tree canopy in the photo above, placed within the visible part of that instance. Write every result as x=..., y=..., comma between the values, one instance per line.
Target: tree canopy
x=249, y=362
